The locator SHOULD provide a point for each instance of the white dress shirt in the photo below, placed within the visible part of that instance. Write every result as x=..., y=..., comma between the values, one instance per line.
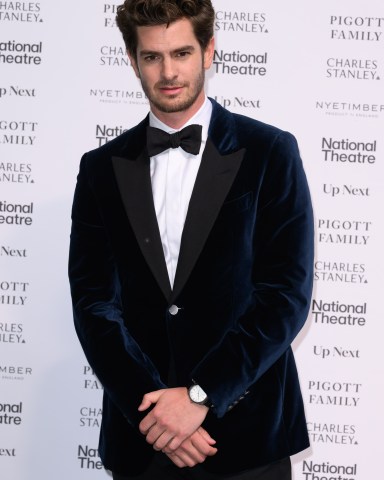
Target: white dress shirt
x=173, y=175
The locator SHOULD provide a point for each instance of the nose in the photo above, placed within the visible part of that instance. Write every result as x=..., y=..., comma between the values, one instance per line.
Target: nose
x=168, y=70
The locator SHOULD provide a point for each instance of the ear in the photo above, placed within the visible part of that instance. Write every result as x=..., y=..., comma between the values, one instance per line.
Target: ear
x=209, y=53
x=134, y=64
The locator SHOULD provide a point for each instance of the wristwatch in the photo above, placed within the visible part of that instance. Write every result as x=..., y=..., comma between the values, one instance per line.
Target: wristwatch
x=197, y=394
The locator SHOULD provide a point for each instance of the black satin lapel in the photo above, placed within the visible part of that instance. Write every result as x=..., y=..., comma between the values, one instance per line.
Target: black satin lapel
x=134, y=183
x=213, y=181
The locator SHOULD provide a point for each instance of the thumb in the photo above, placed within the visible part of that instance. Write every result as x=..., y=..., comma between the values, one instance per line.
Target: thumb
x=149, y=399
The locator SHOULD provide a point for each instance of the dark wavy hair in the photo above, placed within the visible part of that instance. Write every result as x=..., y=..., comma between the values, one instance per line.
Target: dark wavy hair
x=137, y=13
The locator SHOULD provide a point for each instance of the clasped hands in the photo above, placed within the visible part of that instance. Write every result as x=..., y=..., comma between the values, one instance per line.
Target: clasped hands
x=173, y=426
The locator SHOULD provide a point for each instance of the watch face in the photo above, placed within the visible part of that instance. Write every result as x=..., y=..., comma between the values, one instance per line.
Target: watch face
x=197, y=394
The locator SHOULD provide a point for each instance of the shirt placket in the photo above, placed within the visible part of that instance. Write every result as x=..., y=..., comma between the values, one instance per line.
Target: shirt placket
x=173, y=209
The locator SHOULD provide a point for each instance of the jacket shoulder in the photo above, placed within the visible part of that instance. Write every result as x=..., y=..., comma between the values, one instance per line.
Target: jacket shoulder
x=232, y=131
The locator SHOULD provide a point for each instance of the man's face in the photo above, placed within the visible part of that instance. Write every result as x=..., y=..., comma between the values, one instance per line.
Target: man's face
x=171, y=67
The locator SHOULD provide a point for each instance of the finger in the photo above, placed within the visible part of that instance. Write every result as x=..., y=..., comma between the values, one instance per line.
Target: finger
x=162, y=441
x=201, y=441
x=173, y=444
x=202, y=446
x=146, y=424
x=158, y=437
x=191, y=456
x=144, y=405
x=206, y=436
x=176, y=460
x=154, y=433
x=187, y=459
x=149, y=399
x=194, y=450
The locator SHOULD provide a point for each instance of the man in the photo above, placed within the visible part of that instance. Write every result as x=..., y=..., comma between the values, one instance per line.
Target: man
x=191, y=270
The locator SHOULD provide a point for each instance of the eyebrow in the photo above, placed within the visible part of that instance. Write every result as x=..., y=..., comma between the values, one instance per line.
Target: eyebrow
x=177, y=50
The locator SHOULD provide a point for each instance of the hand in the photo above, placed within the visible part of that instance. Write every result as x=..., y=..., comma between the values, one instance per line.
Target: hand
x=195, y=449
x=172, y=420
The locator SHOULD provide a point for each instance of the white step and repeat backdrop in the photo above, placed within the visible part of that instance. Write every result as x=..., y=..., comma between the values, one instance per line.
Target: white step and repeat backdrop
x=315, y=69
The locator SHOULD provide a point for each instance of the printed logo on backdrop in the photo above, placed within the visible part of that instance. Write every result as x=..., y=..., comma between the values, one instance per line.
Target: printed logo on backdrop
x=333, y=394
x=336, y=313
x=328, y=471
x=352, y=69
x=331, y=352
x=7, y=452
x=346, y=191
x=332, y=433
x=351, y=152
x=12, y=252
x=16, y=213
x=240, y=63
x=90, y=381
x=340, y=272
x=238, y=102
x=351, y=109
x=10, y=333
x=355, y=28
x=118, y=96
x=11, y=172
x=109, y=14
x=89, y=458
x=343, y=232
x=113, y=56
x=14, y=294
x=90, y=417
x=237, y=21
x=17, y=91
x=11, y=413
x=13, y=52
x=23, y=12
x=18, y=132
x=346, y=151
x=105, y=133
x=13, y=372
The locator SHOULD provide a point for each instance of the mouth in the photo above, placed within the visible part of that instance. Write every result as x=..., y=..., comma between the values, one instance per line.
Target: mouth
x=170, y=90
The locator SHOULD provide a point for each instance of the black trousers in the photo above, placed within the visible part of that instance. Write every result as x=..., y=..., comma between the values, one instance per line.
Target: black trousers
x=158, y=470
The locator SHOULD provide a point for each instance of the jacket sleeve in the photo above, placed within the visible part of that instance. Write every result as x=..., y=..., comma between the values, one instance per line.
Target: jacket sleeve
x=123, y=369
x=282, y=280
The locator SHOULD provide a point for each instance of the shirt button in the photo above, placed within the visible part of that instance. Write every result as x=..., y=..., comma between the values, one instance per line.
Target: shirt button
x=173, y=309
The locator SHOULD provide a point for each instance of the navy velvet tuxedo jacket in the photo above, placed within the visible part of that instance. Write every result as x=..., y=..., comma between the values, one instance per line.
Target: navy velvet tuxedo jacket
x=243, y=287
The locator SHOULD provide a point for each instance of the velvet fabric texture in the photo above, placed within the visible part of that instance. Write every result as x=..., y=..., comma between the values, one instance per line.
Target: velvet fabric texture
x=243, y=287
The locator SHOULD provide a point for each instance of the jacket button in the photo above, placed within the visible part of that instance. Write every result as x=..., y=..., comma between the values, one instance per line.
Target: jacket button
x=173, y=309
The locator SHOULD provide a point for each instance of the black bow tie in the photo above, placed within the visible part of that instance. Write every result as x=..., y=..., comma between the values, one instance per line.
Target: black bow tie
x=188, y=138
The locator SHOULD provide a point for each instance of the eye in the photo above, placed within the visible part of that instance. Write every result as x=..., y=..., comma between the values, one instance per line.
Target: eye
x=183, y=54
x=150, y=58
